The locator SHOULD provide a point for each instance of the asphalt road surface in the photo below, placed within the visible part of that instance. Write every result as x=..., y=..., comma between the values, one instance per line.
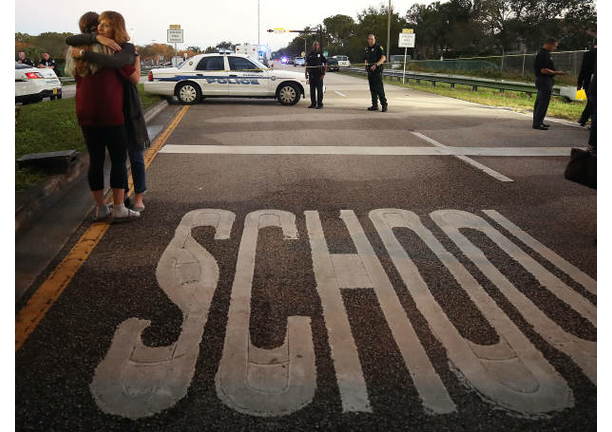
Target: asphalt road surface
x=423, y=269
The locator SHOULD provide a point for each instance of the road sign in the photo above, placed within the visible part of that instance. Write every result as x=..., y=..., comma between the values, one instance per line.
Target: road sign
x=407, y=30
x=279, y=30
x=303, y=53
x=175, y=26
x=175, y=35
x=406, y=40
x=325, y=53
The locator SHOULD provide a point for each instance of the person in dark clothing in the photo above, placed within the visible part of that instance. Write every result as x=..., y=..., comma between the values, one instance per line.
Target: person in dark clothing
x=592, y=94
x=21, y=58
x=584, y=79
x=47, y=62
x=545, y=72
x=316, y=67
x=374, y=58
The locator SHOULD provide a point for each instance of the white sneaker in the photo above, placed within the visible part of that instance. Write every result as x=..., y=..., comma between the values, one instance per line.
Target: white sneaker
x=130, y=216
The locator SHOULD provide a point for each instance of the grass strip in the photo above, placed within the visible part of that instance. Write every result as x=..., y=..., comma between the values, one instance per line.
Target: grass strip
x=517, y=101
x=51, y=126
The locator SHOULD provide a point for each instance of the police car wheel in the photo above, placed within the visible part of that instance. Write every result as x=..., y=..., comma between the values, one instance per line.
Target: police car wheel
x=288, y=94
x=188, y=93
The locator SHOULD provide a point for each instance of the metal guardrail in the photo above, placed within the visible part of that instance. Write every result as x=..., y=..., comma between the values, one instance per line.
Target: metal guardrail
x=566, y=91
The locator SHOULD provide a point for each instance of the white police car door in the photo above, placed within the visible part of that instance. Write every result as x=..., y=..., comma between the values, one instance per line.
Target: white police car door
x=246, y=78
x=211, y=74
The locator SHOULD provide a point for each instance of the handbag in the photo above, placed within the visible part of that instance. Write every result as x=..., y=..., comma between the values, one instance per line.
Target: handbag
x=582, y=168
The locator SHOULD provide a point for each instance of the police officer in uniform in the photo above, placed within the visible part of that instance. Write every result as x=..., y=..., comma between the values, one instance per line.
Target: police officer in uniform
x=316, y=66
x=374, y=58
x=23, y=59
x=545, y=73
x=48, y=62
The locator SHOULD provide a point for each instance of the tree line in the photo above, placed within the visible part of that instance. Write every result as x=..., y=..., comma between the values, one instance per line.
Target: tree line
x=460, y=28
x=54, y=44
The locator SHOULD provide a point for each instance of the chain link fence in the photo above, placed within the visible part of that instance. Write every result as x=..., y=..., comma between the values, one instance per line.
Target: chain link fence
x=515, y=66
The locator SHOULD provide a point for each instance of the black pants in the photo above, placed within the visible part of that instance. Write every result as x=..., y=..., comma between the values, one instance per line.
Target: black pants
x=544, y=85
x=98, y=139
x=316, y=89
x=376, y=87
x=588, y=109
x=593, y=133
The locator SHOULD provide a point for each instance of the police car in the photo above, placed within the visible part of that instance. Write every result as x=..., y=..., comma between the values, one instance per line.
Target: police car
x=225, y=75
x=32, y=84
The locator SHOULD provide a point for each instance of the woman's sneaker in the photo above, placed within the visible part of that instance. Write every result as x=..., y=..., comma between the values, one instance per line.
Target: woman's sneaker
x=130, y=215
x=103, y=214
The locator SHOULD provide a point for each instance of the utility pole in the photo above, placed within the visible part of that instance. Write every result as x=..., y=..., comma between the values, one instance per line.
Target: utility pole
x=389, y=32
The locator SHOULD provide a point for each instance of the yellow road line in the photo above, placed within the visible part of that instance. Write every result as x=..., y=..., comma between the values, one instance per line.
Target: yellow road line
x=41, y=301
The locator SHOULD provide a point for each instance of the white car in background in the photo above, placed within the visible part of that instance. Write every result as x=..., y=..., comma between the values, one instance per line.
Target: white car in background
x=343, y=61
x=226, y=75
x=32, y=84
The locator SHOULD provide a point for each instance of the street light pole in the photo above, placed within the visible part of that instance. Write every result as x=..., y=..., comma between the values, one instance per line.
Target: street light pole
x=258, y=26
x=389, y=32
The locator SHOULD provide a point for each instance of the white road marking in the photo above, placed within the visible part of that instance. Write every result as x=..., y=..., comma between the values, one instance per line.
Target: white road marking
x=511, y=373
x=137, y=381
x=349, y=374
x=339, y=93
x=252, y=380
x=432, y=392
x=582, y=278
x=369, y=151
x=583, y=352
x=467, y=160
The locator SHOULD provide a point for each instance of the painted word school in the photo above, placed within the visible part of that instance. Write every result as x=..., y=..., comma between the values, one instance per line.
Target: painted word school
x=136, y=381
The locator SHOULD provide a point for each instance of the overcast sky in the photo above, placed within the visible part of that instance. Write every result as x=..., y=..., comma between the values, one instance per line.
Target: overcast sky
x=205, y=22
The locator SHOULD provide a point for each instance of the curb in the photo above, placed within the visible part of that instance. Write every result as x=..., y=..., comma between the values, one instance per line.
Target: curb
x=32, y=204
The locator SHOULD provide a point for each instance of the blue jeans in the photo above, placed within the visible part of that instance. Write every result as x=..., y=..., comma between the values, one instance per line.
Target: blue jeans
x=137, y=166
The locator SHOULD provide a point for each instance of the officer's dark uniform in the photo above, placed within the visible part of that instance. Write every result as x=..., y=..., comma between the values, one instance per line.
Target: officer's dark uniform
x=373, y=54
x=48, y=63
x=315, y=66
x=584, y=80
x=544, y=84
x=25, y=61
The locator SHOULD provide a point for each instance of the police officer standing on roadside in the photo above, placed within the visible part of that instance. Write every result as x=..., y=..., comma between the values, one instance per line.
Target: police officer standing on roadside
x=23, y=59
x=316, y=66
x=374, y=58
x=48, y=62
x=545, y=73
